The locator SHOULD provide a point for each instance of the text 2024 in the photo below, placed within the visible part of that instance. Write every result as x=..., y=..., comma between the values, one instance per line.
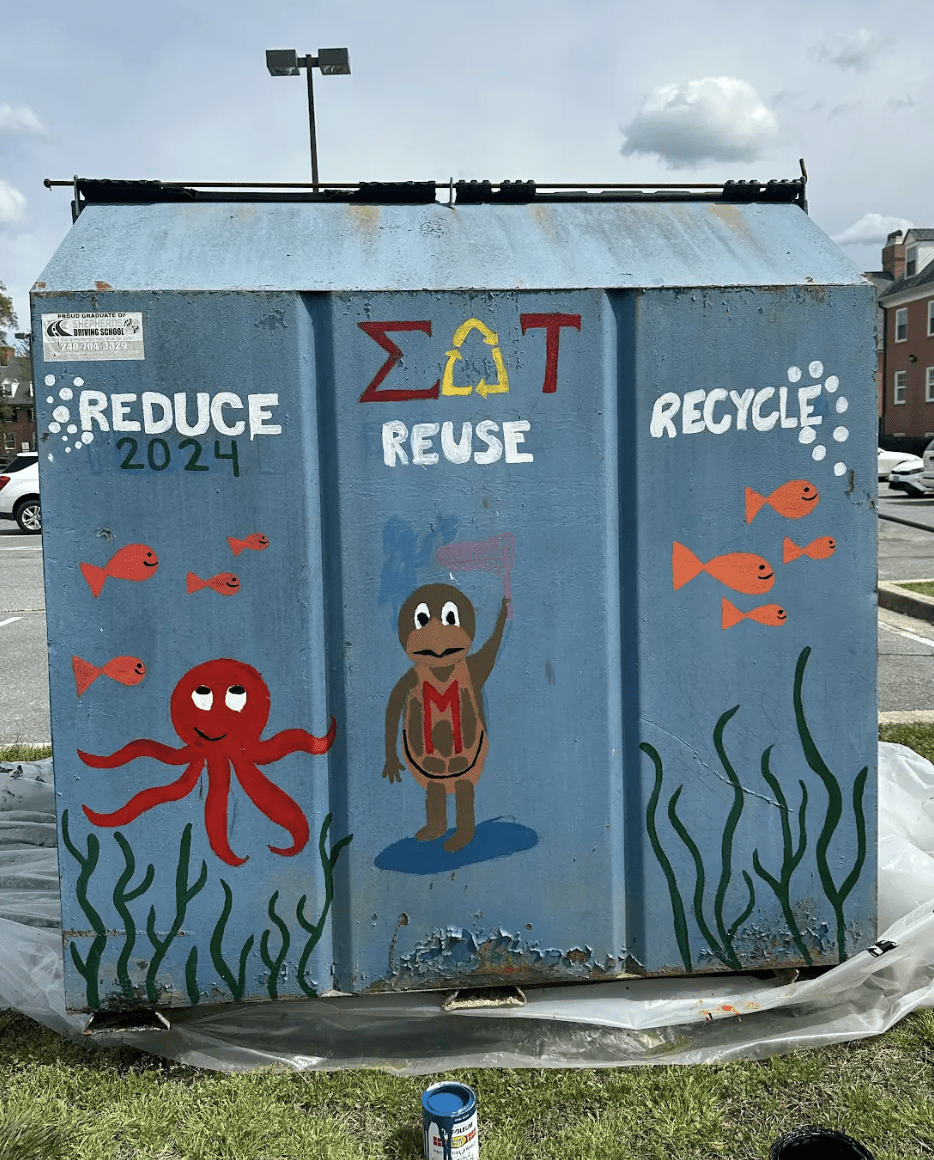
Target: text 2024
x=158, y=455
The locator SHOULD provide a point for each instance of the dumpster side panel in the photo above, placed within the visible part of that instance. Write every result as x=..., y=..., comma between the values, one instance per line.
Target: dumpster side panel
x=187, y=653
x=477, y=471
x=755, y=568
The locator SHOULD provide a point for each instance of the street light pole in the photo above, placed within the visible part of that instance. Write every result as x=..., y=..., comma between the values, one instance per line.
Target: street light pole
x=310, y=63
x=285, y=62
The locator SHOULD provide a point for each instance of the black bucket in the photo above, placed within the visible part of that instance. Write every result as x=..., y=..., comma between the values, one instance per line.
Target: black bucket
x=812, y=1143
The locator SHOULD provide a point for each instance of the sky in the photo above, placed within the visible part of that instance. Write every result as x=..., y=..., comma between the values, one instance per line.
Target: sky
x=692, y=90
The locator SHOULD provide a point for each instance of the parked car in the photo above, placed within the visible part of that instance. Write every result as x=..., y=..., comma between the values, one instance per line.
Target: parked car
x=890, y=459
x=19, y=492
x=927, y=475
x=908, y=477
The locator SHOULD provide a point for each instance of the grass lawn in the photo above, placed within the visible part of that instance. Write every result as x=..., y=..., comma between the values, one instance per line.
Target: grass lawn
x=63, y=1100
x=925, y=587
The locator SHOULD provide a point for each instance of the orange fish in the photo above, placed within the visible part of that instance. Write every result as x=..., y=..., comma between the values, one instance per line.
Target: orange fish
x=741, y=571
x=226, y=583
x=771, y=614
x=792, y=500
x=132, y=562
x=256, y=543
x=816, y=550
x=126, y=670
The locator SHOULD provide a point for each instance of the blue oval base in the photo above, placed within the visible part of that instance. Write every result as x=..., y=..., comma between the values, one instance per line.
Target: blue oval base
x=496, y=838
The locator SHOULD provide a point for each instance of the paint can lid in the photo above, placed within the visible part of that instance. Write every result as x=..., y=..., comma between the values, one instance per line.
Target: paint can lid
x=448, y=1099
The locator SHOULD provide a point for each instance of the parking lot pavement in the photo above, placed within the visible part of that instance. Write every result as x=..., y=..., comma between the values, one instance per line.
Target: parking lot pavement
x=897, y=505
x=24, y=684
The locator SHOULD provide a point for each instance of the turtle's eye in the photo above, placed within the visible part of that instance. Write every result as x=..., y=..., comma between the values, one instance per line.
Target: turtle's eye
x=422, y=615
x=235, y=698
x=203, y=697
x=449, y=613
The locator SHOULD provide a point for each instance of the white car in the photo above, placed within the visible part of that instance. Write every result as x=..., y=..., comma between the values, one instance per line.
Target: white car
x=890, y=459
x=907, y=477
x=19, y=493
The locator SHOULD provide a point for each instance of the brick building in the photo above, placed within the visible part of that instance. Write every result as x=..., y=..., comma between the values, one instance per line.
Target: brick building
x=17, y=406
x=906, y=358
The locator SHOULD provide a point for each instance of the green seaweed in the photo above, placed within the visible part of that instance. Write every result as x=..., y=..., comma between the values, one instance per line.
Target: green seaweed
x=314, y=930
x=835, y=895
x=726, y=843
x=791, y=858
x=121, y=897
x=89, y=967
x=184, y=893
x=677, y=905
x=274, y=965
x=237, y=985
x=191, y=976
x=700, y=882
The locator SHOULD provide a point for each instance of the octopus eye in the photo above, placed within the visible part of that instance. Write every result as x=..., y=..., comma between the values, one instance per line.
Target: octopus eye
x=449, y=614
x=422, y=615
x=235, y=698
x=203, y=697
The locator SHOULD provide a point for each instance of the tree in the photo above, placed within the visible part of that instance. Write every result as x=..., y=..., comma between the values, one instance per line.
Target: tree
x=7, y=321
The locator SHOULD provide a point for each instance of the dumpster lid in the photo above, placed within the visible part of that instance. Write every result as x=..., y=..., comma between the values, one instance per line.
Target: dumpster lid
x=150, y=235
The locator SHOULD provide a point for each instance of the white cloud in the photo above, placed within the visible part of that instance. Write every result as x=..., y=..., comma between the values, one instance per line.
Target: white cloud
x=857, y=51
x=12, y=204
x=21, y=119
x=714, y=119
x=872, y=228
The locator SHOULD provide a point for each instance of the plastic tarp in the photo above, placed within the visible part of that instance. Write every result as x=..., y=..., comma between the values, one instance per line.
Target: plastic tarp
x=637, y=1021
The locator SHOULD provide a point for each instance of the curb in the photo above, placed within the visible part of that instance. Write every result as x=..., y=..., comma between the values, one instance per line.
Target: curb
x=899, y=599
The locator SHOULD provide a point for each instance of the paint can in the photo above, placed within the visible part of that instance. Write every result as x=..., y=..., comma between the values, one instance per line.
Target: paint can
x=813, y=1143
x=449, y=1119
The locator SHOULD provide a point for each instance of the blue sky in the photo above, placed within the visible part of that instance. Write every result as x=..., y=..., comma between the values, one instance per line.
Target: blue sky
x=552, y=91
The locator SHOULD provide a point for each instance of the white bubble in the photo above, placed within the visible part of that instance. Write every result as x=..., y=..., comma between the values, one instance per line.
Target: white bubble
x=50, y=399
x=819, y=452
x=78, y=445
x=839, y=468
x=66, y=393
x=51, y=457
x=842, y=405
x=815, y=369
x=64, y=438
x=841, y=434
x=87, y=437
x=61, y=414
x=78, y=382
x=72, y=429
x=55, y=428
x=794, y=373
x=50, y=380
x=807, y=435
x=68, y=451
x=832, y=383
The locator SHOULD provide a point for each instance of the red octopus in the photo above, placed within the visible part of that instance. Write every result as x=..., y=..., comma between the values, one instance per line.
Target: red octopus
x=219, y=710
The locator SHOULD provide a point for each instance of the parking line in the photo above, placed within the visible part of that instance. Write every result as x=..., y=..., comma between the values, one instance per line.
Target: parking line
x=9, y=620
x=24, y=548
x=909, y=635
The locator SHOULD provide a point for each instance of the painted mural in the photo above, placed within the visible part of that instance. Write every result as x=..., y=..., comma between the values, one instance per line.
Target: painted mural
x=478, y=671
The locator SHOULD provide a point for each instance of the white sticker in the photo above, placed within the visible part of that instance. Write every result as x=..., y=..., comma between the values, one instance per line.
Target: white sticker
x=92, y=337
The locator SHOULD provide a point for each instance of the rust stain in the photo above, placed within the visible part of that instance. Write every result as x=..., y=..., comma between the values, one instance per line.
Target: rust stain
x=38, y=285
x=103, y=286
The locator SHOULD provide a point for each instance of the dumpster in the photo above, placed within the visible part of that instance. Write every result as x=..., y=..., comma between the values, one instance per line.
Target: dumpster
x=455, y=594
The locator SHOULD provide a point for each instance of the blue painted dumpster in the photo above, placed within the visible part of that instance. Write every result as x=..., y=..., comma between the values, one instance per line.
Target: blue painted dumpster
x=450, y=595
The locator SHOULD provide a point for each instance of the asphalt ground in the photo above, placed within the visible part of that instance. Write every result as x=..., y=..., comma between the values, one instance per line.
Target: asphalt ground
x=906, y=645
x=24, y=669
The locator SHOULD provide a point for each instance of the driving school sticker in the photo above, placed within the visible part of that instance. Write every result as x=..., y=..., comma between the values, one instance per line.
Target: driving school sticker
x=96, y=336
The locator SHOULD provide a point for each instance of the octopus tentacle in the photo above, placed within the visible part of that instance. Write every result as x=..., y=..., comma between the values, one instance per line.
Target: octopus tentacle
x=292, y=741
x=275, y=803
x=142, y=747
x=153, y=796
x=215, y=810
